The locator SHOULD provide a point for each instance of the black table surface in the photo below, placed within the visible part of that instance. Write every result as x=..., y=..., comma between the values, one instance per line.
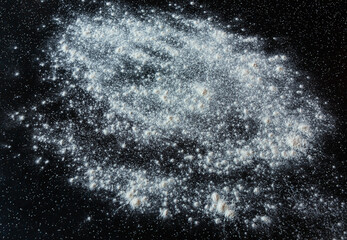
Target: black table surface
x=40, y=205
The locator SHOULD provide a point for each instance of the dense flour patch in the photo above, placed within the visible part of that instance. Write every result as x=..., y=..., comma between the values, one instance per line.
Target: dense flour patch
x=170, y=115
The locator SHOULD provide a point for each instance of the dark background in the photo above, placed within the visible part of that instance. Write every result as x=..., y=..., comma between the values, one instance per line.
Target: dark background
x=38, y=204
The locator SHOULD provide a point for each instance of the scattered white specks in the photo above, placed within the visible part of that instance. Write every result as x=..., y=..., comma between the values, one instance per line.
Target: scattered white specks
x=168, y=111
x=38, y=160
x=135, y=202
x=92, y=186
x=164, y=213
x=265, y=219
x=215, y=197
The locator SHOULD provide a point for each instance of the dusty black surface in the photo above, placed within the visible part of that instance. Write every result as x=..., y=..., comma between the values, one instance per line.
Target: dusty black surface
x=38, y=204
